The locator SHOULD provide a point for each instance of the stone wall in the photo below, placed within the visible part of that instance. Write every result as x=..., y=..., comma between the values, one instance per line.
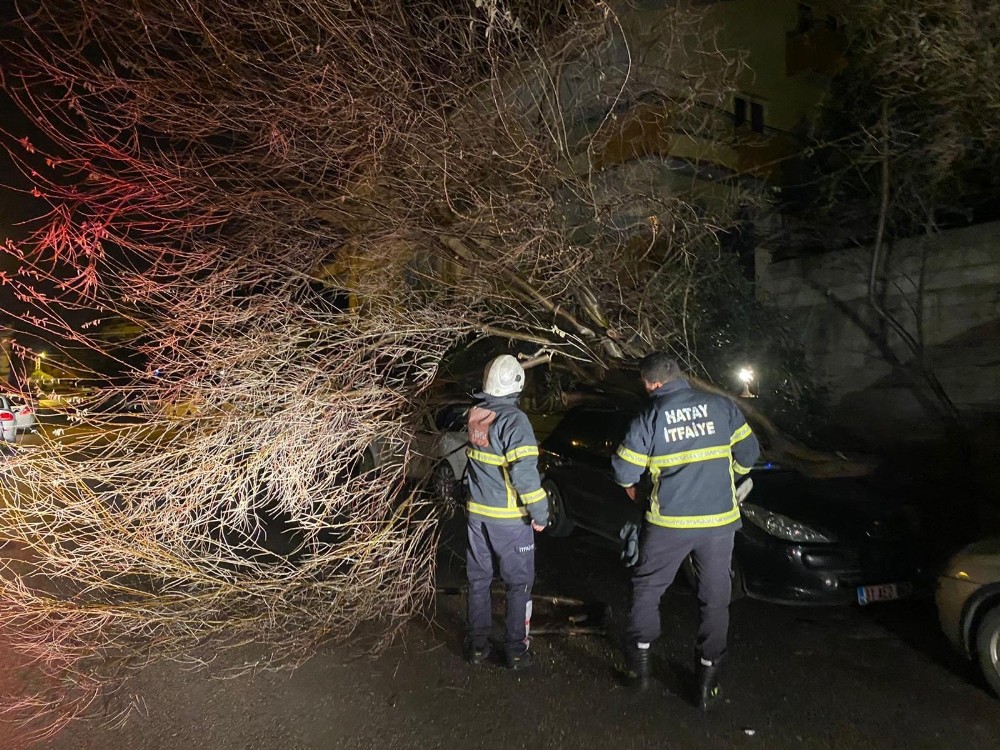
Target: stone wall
x=945, y=289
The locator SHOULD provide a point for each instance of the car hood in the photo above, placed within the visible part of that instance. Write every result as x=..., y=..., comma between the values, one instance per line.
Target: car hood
x=977, y=563
x=844, y=506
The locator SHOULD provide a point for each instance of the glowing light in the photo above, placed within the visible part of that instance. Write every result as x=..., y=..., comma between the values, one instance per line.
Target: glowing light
x=746, y=376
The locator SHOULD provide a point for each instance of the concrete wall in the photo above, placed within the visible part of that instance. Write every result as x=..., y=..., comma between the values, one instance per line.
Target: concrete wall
x=945, y=289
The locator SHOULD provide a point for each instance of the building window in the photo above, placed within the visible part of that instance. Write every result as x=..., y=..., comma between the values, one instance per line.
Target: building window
x=740, y=111
x=805, y=18
x=746, y=110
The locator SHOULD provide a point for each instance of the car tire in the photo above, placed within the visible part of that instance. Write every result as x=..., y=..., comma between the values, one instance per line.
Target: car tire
x=560, y=524
x=988, y=648
x=735, y=575
x=444, y=486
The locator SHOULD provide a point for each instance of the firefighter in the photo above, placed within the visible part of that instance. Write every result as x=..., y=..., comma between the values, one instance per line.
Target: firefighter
x=506, y=506
x=694, y=444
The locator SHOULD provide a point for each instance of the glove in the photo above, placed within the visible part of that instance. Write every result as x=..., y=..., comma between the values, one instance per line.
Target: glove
x=630, y=544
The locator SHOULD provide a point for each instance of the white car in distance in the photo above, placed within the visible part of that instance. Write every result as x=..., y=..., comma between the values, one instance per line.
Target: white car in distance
x=16, y=415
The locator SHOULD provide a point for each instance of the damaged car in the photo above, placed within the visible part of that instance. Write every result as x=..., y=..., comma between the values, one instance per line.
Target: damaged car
x=438, y=451
x=802, y=541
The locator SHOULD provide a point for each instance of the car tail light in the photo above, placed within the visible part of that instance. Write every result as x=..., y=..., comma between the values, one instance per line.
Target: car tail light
x=26, y=410
x=6, y=415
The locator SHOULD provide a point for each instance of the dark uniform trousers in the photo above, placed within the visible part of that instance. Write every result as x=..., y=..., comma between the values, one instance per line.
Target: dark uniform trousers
x=512, y=549
x=661, y=552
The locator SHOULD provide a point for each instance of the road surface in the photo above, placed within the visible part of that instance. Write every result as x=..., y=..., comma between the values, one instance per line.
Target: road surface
x=878, y=677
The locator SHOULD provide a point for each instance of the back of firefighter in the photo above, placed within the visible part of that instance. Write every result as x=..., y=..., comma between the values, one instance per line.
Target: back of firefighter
x=506, y=506
x=695, y=445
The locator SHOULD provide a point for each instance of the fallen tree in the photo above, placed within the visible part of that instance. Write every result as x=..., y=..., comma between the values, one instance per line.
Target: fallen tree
x=299, y=209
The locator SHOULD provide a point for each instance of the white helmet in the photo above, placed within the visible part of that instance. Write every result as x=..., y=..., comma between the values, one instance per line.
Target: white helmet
x=503, y=376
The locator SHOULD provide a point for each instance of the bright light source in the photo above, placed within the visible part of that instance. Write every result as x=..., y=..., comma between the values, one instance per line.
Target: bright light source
x=745, y=374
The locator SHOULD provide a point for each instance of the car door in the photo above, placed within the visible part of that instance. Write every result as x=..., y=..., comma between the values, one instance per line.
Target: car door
x=599, y=504
x=613, y=508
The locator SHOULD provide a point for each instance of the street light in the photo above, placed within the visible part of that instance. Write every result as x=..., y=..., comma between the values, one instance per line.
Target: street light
x=746, y=377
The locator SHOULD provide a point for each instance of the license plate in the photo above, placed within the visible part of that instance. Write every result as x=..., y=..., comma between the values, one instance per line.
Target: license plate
x=882, y=592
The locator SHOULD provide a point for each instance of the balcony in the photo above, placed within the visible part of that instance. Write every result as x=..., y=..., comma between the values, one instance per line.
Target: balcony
x=653, y=129
x=650, y=130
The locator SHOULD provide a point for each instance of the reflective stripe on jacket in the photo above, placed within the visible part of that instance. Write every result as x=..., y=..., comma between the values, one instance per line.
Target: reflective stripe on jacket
x=693, y=443
x=504, y=486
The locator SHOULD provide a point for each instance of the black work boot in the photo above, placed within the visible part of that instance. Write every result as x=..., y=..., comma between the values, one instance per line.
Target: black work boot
x=637, y=667
x=519, y=661
x=477, y=655
x=707, y=678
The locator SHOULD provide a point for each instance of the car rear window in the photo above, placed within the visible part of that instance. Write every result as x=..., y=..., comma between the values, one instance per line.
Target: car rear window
x=452, y=417
x=596, y=432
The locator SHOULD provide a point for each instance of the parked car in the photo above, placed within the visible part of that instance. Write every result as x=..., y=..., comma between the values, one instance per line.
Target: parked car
x=8, y=428
x=968, y=603
x=803, y=541
x=21, y=411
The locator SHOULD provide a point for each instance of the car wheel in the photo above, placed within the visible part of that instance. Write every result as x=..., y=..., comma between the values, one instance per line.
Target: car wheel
x=988, y=648
x=444, y=486
x=735, y=575
x=560, y=524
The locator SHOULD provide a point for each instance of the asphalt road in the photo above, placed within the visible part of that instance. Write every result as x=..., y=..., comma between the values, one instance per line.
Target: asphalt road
x=877, y=677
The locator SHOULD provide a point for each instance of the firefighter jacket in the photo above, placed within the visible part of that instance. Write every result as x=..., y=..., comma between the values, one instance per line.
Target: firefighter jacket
x=504, y=486
x=694, y=444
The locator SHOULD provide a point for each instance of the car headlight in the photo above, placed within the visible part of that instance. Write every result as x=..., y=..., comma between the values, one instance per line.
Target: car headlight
x=783, y=527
